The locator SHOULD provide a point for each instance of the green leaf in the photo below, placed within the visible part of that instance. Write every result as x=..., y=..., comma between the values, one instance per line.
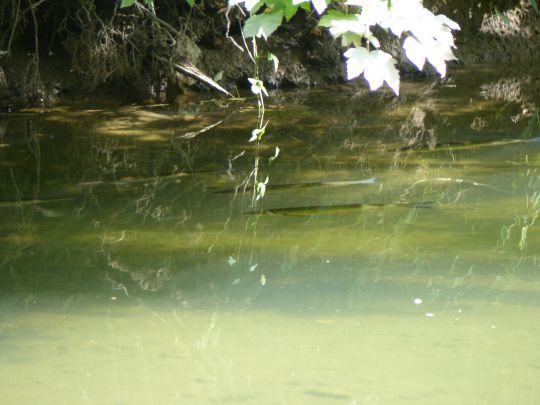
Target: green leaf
x=190, y=2
x=306, y=6
x=532, y=125
x=534, y=5
x=256, y=7
x=263, y=25
x=219, y=75
x=273, y=58
x=149, y=2
x=332, y=15
x=504, y=19
x=127, y=3
x=257, y=133
x=276, y=153
x=351, y=38
x=289, y=11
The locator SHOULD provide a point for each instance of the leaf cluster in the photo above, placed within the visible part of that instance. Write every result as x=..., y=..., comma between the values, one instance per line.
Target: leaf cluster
x=427, y=37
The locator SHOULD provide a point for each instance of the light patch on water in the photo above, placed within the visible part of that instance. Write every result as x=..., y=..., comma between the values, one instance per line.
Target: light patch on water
x=137, y=354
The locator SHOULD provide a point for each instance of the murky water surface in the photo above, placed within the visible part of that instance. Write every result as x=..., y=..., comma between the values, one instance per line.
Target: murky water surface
x=394, y=258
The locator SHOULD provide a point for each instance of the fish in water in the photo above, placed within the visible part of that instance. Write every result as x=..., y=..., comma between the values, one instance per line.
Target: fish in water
x=32, y=201
x=48, y=213
x=334, y=209
x=302, y=186
x=454, y=146
x=126, y=180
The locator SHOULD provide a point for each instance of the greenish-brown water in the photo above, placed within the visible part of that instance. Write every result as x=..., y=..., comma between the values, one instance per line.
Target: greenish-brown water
x=134, y=268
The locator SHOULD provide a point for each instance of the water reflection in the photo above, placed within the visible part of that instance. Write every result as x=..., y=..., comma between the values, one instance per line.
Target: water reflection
x=134, y=269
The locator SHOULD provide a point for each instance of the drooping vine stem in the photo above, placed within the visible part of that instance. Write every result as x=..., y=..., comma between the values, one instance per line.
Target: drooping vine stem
x=15, y=22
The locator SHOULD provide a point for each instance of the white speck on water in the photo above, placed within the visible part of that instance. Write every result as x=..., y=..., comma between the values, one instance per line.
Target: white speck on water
x=252, y=268
x=263, y=279
x=430, y=314
x=236, y=281
x=327, y=260
x=231, y=260
x=417, y=301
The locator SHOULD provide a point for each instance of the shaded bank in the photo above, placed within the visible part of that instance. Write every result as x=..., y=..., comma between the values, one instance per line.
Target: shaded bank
x=54, y=50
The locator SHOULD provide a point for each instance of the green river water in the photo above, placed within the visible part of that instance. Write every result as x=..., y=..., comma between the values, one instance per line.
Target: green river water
x=395, y=258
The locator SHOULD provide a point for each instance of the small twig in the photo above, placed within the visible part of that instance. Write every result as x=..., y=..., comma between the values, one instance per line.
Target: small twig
x=149, y=13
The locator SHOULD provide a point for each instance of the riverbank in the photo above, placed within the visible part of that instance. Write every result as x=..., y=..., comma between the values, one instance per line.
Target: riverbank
x=140, y=65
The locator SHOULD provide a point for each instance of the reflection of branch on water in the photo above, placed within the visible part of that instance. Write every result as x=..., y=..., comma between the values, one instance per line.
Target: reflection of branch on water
x=138, y=282
x=517, y=90
x=191, y=135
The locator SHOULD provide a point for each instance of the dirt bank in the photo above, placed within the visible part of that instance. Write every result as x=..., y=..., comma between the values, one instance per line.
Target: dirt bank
x=89, y=47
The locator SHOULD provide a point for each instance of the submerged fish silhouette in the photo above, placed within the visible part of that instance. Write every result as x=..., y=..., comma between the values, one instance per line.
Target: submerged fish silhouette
x=33, y=201
x=334, y=209
x=453, y=146
x=301, y=186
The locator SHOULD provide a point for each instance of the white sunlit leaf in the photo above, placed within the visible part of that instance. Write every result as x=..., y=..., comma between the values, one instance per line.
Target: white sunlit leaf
x=254, y=135
x=250, y=4
x=373, y=11
x=262, y=25
x=382, y=69
x=435, y=52
x=257, y=86
x=357, y=59
x=257, y=133
x=261, y=188
x=415, y=52
x=374, y=41
x=378, y=67
x=448, y=22
x=438, y=56
x=407, y=15
x=319, y=5
x=430, y=39
x=339, y=27
x=276, y=154
x=261, y=191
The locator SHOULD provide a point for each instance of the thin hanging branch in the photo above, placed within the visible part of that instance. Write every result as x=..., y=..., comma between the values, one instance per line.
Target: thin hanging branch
x=184, y=67
x=15, y=22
